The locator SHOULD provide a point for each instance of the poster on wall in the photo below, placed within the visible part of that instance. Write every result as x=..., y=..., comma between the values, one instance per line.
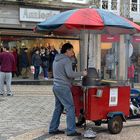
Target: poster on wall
x=36, y=15
x=113, y=99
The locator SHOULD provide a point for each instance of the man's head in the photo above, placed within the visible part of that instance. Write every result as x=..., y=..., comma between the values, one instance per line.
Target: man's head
x=25, y=49
x=67, y=49
x=5, y=46
x=37, y=51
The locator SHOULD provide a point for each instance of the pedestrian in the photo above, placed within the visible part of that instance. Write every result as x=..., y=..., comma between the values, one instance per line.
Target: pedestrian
x=7, y=63
x=36, y=62
x=45, y=61
x=63, y=76
x=74, y=62
x=15, y=54
x=24, y=63
x=52, y=55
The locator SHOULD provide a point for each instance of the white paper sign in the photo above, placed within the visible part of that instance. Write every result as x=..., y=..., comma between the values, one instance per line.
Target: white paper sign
x=113, y=100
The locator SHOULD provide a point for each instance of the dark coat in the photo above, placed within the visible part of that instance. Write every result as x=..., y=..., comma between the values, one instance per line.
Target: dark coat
x=24, y=59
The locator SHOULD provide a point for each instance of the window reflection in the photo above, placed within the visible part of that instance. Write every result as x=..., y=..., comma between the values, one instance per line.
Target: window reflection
x=97, y=3
x=134, y=5
x=105, y=4
x=114, y=5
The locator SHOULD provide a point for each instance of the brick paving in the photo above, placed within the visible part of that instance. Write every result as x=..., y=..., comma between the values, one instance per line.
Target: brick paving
x=27, y=114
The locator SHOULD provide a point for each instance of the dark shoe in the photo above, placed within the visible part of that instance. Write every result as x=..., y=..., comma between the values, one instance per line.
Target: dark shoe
x=36, y=78
x=25, y=77
x=57, y=132
x=81, y=119
x=74, y=134
x=9, y=94
x=81, y=122
x=1, y=94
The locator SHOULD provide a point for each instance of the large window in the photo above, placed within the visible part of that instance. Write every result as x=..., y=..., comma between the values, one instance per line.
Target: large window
x=110, y=56
x=134, y=5
x=96, y=3
x=19, y=43
x=114, y=5
x=104, y=4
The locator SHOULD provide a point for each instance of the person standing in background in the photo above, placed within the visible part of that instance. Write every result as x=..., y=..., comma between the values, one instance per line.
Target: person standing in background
x=74, y=62
x=36, y=62
x=15, y=54
x=24, y=63
x=52, y=55
x=45, y=61
x=7, y=63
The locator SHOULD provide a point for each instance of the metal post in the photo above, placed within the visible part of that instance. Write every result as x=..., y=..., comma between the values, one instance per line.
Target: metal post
x=125, y=12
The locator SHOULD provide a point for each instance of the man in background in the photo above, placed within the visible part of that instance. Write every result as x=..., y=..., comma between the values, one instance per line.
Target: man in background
x=24, y=63
x=7, y=63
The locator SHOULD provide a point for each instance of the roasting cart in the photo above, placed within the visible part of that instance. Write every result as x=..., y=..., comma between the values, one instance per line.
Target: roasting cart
x=102, y=102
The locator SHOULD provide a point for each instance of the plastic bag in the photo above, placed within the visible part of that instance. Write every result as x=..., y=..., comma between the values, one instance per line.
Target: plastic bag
x=89, y=133
x=32, y=68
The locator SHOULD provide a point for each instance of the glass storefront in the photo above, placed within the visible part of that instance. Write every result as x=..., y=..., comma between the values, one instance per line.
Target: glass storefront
x=109, y=57
x=30, y=43
x=135, y=60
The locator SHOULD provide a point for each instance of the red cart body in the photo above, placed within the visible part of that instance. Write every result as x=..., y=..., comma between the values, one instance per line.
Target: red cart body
x=98, y=101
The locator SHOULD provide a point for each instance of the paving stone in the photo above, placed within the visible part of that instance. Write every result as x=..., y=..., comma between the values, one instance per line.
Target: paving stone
x=27, y=114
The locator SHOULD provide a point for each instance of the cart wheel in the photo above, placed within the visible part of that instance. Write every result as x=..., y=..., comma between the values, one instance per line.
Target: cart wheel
x=115, y=125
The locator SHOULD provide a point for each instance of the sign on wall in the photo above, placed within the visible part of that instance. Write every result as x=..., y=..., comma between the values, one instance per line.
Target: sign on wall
x=110, y=38
x=9, y=15
x=76, y=1
x=36, y=15
x=135, y=39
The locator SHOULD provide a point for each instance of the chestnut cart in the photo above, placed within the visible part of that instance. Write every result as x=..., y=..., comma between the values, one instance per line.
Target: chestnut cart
x=101, y=102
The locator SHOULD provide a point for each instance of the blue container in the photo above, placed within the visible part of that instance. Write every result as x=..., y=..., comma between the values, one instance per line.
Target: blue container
x=135, y=94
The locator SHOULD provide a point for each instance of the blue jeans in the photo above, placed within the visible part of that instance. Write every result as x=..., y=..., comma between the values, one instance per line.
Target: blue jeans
x=63, y=100
x=45, y=72
x=36, y=74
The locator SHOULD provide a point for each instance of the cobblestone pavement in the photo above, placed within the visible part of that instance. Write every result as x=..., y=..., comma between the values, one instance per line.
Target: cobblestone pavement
x=27, y=114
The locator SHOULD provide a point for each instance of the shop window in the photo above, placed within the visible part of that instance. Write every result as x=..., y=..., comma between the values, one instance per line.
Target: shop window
x=104, y=4
x=135, y=60
x=109, y=60
x=134, y=5
x=97, y=3
x=114, y=5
